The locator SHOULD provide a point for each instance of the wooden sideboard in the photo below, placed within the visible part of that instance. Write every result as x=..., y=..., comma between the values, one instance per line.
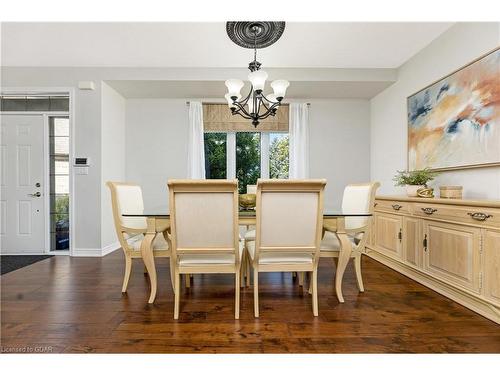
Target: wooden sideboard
x=449, y=245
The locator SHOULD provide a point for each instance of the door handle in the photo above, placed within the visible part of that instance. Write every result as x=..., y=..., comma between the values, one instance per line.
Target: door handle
x=37, y=194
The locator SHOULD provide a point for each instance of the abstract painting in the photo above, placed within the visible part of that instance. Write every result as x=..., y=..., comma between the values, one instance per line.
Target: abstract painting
x=455, y=122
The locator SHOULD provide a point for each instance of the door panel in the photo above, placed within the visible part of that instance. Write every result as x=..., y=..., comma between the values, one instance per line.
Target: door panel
x=22, y=167
x=492, y=267
x=453, y=253
x=412, y=242
x=387, y=234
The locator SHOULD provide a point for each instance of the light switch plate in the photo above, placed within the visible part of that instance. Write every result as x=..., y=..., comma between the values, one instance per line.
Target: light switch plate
x=81, y=170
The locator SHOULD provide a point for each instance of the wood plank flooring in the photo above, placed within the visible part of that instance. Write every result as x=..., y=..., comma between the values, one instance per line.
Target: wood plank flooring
x=67, y=304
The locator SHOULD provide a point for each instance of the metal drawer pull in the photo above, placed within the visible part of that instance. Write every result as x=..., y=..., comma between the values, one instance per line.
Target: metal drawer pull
x=397, y=207
x=429, y=210
x=479, y=216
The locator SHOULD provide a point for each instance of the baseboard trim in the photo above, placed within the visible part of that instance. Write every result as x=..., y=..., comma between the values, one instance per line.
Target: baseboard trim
x=110, y=248
x=471, y=302
x=89, y=252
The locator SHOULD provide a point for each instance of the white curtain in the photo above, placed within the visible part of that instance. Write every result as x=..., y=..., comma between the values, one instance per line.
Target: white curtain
x=196, y=145
x=299, y=141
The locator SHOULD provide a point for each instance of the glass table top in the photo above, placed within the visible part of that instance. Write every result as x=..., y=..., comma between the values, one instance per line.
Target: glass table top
x=163, y=212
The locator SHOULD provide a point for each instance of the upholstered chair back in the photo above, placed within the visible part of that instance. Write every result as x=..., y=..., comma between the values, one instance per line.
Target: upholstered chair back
x=127, y=198
x=204, y=215
x=289, y=214
x=359, y=198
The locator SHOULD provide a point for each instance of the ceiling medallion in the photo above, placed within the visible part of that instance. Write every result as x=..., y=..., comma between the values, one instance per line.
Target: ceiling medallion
x=255, y=106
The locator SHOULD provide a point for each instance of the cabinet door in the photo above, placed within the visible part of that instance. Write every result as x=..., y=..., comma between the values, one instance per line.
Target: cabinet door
x=412, y=241
x=491, y=276
x=453, y=253
x=388, y=234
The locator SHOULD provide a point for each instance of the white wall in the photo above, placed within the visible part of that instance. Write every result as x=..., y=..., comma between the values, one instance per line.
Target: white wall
x=156, y=144
x=157, y=136
x=458, y=46
x=339, y=144
x=112, y=157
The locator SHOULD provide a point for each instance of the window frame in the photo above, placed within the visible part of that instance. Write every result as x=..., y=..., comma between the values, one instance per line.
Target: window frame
x=264, y=153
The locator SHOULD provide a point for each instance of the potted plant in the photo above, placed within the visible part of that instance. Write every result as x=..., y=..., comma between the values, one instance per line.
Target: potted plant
x=414, y=180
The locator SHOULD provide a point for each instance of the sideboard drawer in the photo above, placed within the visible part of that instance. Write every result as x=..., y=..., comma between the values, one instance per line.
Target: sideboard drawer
x=489, y=217
x=392, y=206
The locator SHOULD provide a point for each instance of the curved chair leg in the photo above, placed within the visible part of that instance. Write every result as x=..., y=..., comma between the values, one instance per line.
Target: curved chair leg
x=177, y=294
x=172, y=272
x=256, y=292
x=357, y=267
x=128, y=269
x=237, y=294
x=315, y=292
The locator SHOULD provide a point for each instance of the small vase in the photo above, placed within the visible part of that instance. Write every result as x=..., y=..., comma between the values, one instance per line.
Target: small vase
x=411, y=190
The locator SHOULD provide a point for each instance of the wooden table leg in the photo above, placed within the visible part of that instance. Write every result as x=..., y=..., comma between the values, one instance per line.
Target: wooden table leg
x=344, y=256
x=147, y=256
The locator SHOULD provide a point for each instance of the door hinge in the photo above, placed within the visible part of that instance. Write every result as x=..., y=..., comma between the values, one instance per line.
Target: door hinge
x=424, y=243
x=480, y=281
x=400, y=235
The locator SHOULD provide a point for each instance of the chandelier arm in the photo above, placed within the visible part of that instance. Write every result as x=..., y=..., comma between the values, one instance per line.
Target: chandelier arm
x=242, y=111
x=266, y=115
x=269, y=101
x=245, y=101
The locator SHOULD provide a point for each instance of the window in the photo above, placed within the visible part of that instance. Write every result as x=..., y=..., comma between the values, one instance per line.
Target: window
x=215, y=155
x=246, y=156
x=59, y=183
x=235, y=149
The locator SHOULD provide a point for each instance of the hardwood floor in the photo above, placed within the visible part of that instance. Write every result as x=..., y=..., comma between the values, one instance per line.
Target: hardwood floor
x=67, y=304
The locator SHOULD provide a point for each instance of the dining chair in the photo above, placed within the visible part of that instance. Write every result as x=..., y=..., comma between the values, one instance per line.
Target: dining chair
x=357, y=198
x=289, y=222
x=251, y=189
x=127, y=198
x=204, y=231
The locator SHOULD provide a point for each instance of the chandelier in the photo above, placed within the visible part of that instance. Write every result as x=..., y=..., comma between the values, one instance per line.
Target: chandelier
x=256, y=105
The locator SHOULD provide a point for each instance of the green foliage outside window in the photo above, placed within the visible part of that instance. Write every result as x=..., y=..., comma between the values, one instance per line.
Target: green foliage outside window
x=278, y=157
x=215, y=155
x=247, y=159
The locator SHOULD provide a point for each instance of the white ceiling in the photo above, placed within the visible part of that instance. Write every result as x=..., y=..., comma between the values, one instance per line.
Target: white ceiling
x=331, y=45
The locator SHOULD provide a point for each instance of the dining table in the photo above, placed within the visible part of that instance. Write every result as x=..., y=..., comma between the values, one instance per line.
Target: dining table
x=158, y=221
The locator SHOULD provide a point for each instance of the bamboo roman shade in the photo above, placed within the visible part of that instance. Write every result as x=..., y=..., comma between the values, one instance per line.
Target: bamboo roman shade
x=218, y=118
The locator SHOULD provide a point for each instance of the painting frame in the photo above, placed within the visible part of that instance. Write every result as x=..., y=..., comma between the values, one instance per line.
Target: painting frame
x=450, y=168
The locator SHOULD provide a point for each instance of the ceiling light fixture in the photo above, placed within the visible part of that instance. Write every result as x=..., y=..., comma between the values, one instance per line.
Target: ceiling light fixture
x=255, y=106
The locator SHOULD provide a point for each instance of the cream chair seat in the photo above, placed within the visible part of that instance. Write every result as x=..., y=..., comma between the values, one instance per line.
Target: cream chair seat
x=330, y=242
x=250, y=235
x=202, y=259
x=159, y=243
x=280, y=257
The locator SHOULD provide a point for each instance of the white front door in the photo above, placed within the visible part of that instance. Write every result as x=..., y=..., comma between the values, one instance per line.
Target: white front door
x=22, y=208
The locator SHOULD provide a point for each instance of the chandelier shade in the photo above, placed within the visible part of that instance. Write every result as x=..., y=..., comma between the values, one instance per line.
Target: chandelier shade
x=256, y=105
x=279, y=87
